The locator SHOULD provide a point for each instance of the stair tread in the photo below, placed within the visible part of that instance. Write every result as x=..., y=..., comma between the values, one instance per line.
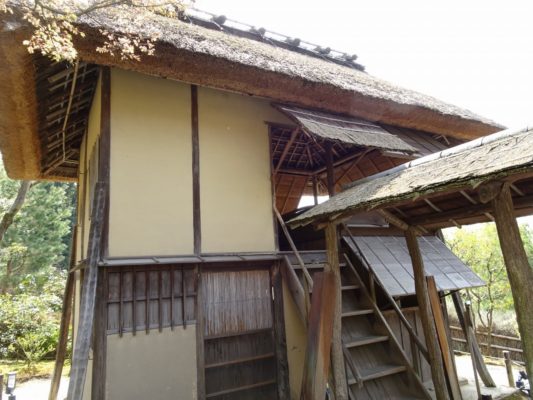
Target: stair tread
x=314, y=265
x=380, y=371
x=354, y=313
x=364, y=340
x=350, y=287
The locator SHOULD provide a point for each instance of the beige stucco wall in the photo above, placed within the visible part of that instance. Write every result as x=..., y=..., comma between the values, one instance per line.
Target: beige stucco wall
x=296, y=342
x=151, y=166
x=158, y=366
x=235, y=188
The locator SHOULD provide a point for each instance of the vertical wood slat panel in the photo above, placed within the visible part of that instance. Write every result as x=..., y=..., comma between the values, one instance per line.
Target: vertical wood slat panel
x=236, y=301
x=150, y=298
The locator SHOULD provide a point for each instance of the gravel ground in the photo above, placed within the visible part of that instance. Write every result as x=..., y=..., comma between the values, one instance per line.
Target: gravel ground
x=38, y=389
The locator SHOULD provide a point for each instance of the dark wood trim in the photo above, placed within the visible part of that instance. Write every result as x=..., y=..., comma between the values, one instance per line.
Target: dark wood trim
x=197, y=221
x=104, y=154
x=280, y=341
x=100, y=339
x=200, y=358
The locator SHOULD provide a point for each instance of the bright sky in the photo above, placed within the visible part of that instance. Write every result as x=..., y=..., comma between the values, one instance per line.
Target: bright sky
x=473, y=53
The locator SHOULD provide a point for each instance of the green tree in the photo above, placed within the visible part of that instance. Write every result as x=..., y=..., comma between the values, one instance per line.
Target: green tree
x=36, y=242
x=479, y=248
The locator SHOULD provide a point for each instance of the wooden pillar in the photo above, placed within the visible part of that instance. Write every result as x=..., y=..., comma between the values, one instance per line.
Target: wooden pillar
x=509, y=368
x=279, y=333
x=330, y=171
x=519, y=271
x=426, y=316
x=197, y=223
x=315, y=189
x=337, y=357
x=319, y=332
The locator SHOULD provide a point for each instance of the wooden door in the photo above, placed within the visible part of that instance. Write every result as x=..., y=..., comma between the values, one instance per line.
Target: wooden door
x=239, y=347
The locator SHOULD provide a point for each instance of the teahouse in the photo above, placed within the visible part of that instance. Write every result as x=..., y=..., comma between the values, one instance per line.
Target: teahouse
x=186, y=281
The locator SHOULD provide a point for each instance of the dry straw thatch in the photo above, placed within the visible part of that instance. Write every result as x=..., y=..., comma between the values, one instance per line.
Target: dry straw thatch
x=214, y=58
x=504, y=154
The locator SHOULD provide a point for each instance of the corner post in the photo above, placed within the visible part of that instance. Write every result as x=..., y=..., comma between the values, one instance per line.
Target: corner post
x=519, y=272
x=337, y=357
x=426, y=316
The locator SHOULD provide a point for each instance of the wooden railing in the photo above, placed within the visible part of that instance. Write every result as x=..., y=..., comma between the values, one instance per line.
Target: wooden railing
x=300, y=292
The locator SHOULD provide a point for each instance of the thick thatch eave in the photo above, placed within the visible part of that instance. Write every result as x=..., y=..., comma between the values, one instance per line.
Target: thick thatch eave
x=213, y=58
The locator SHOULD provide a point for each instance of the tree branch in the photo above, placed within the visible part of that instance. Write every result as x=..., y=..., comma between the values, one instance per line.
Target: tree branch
x=9, y=216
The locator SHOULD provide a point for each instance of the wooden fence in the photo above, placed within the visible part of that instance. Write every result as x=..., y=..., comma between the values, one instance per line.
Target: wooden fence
x=498, y=344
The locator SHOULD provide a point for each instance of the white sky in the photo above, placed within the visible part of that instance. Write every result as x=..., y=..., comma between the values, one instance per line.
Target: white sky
x=472, y=53
x=475, y=54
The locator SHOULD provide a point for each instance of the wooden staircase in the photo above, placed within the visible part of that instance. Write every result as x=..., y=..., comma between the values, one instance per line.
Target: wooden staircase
x=376, y=367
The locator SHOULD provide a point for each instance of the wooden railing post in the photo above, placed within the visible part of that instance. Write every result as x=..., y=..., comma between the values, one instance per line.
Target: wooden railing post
x=509, y=368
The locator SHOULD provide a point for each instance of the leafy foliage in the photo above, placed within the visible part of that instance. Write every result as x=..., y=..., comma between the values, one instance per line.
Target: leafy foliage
x=54, y=24
x=479, y=248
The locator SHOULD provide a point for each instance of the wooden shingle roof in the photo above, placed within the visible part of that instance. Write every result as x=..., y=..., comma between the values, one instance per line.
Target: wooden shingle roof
x=390, y=261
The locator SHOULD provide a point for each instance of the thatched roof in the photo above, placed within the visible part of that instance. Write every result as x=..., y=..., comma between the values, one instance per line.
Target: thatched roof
x=221, y=59
x=498, y=155
x=348, y=130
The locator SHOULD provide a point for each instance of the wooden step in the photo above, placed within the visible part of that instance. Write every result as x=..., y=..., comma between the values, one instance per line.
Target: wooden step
x=355, y=313
x=378, y=372
x=365, y=340
x=241, y=388
x=314, y=266
x=350, y=287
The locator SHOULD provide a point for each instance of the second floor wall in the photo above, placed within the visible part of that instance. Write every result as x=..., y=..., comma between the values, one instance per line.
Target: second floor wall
x=151, y=169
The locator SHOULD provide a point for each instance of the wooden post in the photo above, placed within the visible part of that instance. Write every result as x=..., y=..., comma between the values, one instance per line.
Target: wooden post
x=451, y=373
x=197, y=223
x=319, y=332
x=330, y=169
x=315, y=190
x=470, y=336
x=426, y=316
x=509, y=368
x=78, y=372
x=519, y=271
x=279, y=334
x=337, y=356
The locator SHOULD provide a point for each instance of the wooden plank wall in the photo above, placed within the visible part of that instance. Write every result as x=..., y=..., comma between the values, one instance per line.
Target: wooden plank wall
x=401, y=333
x=161, y=295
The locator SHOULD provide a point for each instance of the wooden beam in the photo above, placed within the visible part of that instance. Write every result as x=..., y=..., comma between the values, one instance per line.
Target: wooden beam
x=279, y=333
x=470, y=335
x=444, y=341
x=80, y=357
x=315, y=189
x=319, y=333
x=464, y=212
x=519, y=272
x=337, y=356
x=426, y=316
x=286, y=149
x=104, y=153
x=197, y=222
x=330, y=169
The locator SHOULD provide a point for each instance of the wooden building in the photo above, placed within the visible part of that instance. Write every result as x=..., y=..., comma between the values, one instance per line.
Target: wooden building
x=186, y=282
